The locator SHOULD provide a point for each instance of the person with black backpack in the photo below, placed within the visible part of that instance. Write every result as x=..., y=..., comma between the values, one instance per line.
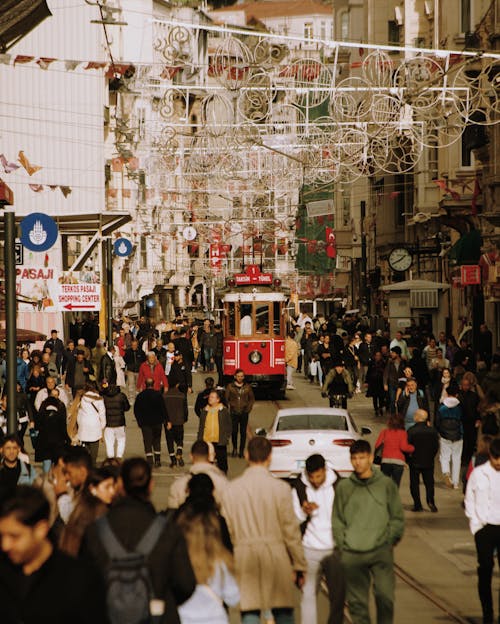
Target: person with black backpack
x=142, y=555
x=313, y=496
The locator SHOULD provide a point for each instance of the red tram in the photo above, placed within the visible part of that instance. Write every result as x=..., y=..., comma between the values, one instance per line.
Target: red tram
x=254, y=330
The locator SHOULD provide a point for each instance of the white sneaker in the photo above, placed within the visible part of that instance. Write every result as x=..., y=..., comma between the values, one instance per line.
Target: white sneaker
x=290, y=387
x=193, y=370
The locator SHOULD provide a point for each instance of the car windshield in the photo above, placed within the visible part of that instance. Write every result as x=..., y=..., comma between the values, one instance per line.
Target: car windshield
x=296, y=422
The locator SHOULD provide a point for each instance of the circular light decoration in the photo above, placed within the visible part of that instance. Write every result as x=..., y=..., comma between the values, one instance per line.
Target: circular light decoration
x=189, y=233
x=255, y=357
x=150, y=303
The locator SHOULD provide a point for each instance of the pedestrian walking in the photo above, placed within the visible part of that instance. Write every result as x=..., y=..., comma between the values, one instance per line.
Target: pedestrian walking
x=219, y=353
x=202, y=397
x=425, y=440
x=482, y=507
x=265, y=534
x=150, y=413
x=87, y=420
x=215, y=427
x=13, y=470
x=368, y=521
x=116, y=404
x=78, y=372
x=134, y=357
x=240, y=400
x=107, y=367
x=200, y=464
x=152, y=369
x=291, y=360
x=394, y=371
x=204, y=529
x=393, y=442
x=375, y=383
x=162, y=574
x=38, y=583
x=176, y=407
x=56, y=346
x=52, y=435
x=313, y=495
x=450, y=429
x=469, y=400
x=411, y=399
x=399, y=342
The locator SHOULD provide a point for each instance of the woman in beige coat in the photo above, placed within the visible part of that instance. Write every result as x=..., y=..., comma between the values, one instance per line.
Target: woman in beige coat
x=291, y=359
x=267, y=542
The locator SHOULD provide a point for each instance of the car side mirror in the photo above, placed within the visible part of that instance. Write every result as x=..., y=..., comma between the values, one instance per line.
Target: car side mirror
x=260, y=432
x=366, y=430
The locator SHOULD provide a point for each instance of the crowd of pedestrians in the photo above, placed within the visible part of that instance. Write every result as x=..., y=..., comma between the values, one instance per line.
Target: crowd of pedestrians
x=246, y=541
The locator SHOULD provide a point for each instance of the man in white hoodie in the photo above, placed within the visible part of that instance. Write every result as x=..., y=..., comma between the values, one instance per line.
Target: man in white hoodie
x=482, y=507
x=313, y=496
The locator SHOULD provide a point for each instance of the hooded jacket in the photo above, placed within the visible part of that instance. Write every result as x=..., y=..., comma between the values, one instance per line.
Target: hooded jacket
x=367, y=513
x=449, y=419
x=91, y=417
x=318, y=533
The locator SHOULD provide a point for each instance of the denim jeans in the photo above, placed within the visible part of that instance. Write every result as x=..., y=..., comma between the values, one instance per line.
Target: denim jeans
x=46, y=465
x=281, y=616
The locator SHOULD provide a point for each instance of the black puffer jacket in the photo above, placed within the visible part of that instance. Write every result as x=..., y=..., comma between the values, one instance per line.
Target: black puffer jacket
x=116, y=404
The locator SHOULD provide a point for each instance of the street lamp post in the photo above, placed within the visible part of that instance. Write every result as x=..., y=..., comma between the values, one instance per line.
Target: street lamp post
x=9, y=254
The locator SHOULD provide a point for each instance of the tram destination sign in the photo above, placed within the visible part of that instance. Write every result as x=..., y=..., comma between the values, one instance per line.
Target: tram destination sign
x=253, y=275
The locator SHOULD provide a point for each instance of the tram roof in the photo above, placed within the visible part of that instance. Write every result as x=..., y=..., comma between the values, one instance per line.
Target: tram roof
x=254, y=296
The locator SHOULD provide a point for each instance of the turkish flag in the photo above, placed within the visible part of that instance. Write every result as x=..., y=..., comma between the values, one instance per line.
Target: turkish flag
x=331, y=243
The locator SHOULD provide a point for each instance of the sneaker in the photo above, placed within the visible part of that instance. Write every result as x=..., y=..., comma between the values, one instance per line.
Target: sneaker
x=157, y=462
x=447, y=481
x=193, y=370
x=290, y=387
x=173, y=461
x=456, y=487
x=433, y=507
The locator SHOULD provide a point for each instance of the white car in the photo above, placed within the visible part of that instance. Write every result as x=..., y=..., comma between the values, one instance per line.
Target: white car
x=299, y=432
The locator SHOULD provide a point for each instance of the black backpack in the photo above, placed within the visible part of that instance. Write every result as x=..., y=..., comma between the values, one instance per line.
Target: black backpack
x=129, y=590
x=300, y=487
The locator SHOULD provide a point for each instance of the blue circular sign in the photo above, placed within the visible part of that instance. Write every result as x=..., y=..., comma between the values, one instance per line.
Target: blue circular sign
x=38, y=232
x=122, y=247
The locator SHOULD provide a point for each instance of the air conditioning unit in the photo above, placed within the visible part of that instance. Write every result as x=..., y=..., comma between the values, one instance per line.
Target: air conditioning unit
x=424, y=298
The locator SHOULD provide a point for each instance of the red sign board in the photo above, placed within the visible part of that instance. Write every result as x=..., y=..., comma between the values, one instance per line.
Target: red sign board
x=470, y=274
x=218, y=253
x=252, y=275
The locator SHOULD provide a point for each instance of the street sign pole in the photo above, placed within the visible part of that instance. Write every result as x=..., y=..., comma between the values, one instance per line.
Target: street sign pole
x=108, y=251
x=10, y=316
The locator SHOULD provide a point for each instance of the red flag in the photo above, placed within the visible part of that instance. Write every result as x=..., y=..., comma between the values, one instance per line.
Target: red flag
x=95, y=65
x=43, y=62
x=117, y=164
x=394, y=194
x=169, y=72
x=65, y=190
x=8, y=167
x=118, y=69
x=22, y=58
x=331, y=243
x=446, y=189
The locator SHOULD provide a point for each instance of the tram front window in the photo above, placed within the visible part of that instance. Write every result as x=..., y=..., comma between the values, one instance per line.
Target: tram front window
x=246, y=319
x=277, y=318
x=262, y=319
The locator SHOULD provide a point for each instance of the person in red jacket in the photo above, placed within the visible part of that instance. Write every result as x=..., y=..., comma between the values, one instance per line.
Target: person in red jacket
x=152, y=369
x=395, y=441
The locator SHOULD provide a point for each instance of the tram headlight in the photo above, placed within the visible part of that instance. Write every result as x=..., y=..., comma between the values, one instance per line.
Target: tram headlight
x=255, y=357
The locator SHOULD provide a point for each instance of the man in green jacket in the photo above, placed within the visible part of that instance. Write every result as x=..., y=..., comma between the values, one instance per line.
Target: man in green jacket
x=367, y=523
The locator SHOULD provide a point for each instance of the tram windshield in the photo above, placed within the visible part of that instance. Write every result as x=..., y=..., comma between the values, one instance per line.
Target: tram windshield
x=258, y=318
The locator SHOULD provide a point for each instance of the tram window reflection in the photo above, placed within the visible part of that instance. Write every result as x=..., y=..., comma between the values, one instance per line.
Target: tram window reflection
x=246, y=319
x=276, y=318
x=262, y=319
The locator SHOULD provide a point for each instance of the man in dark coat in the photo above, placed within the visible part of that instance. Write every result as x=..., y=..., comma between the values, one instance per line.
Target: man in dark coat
x=202, y=397
x=180, y=373
x=171, y=573
x=56, y=346
x=469, y=401
x=39, y=584
x=78, y=372
x=219, y=353
x=150, y=412
x=425, y=439
x=185, y=348
x=107, y=368
x=177, y=414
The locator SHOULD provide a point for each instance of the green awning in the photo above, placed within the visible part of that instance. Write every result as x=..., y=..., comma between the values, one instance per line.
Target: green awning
x=467, y=249
x=18, y=17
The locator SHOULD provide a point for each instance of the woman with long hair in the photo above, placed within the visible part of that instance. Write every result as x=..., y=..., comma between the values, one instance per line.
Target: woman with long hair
x=93, y=502
x=204, y=530
x=395, y=444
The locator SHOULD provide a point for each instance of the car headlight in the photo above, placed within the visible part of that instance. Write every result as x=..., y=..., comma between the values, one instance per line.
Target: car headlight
x=255, y=357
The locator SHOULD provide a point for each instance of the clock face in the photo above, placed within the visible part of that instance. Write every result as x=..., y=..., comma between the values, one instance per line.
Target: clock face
x=400, y=259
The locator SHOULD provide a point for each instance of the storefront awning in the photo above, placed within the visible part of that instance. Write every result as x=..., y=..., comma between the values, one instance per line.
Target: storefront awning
x=18, y=18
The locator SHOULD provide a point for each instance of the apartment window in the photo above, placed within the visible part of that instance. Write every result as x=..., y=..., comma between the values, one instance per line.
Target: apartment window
x=432, y=159
x=392, y=32
x=144, y=253
x=141, y=122
x=323, y=30
x=465, y=16
x=344, y=26
x=346, y=207
x=308, y=30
